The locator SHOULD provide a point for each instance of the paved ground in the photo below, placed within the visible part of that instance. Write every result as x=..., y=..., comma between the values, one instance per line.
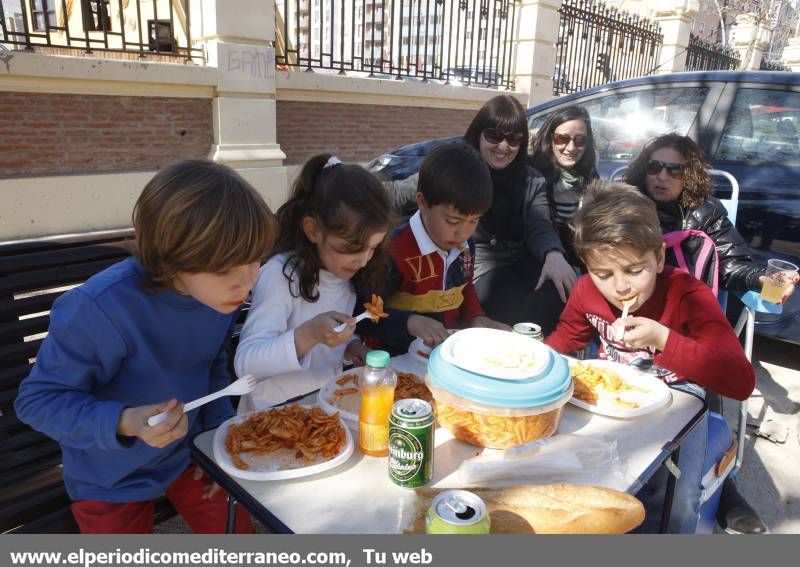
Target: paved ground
x=768, y=477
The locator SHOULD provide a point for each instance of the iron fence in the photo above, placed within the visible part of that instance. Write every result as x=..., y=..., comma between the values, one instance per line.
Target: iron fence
x=773, y=66
x=464, y=41
x=598, y=44
x=702, y=55
x=144, y=28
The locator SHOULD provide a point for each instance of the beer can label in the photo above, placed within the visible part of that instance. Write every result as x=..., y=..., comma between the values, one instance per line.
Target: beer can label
x=411, y=436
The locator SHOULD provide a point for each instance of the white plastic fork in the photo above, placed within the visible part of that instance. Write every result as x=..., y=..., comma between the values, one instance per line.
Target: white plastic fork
x=626, y=305
x=243, y=385
x=343, y=326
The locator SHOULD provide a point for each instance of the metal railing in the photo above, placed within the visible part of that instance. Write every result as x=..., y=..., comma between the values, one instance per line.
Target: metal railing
x=702, y=55
x=598, y=44
x=773, y=66
x=464, y=41
x=144, y=28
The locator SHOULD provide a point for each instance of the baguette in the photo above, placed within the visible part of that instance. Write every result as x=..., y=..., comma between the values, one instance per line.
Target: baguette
x=549, y=509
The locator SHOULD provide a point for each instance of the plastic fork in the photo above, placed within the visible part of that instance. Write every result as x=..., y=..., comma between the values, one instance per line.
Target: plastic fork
x=243, y=385
x=626, y=305
x=343, y=326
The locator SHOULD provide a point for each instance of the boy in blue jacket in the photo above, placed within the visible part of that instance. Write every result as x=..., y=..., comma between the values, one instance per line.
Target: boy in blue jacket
x=141, y=335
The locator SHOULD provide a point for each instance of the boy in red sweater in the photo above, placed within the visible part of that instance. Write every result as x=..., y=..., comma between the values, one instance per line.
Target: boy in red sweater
x=430, y=288
x=674, y=319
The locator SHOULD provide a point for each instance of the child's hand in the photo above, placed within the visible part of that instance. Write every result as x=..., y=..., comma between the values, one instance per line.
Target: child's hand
x=356, y=352
x=789, y=290
x=320, y=330
x=211, y=487
x=133, y=423
x=485, y=322
x=431, y=331
x=643, y=332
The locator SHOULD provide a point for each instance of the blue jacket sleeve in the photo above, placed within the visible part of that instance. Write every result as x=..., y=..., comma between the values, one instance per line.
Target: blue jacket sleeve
x=214, y=413
x=83, y=349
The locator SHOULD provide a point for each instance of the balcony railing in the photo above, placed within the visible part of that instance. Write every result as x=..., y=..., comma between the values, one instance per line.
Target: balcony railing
x=464, y=41
x=147, y=29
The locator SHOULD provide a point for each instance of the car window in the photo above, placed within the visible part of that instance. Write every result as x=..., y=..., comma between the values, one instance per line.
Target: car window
x=762, y=126
x=623, y=122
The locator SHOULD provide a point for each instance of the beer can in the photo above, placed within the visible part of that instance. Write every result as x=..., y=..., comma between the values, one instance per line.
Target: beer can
x=457, y=512
x=411, y=431
x=531, y=330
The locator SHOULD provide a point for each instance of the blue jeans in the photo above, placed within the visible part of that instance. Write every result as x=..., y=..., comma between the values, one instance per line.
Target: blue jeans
x=688, y=488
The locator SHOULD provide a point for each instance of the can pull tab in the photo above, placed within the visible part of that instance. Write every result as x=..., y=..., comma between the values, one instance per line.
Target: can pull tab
x=461, y=510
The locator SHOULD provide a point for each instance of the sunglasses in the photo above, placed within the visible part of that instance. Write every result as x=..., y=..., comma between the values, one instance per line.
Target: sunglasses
x=495, y=136
x=565, y=139
x=675, y=170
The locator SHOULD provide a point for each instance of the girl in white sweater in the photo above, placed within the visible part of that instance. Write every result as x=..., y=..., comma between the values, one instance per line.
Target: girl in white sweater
x=332, y=242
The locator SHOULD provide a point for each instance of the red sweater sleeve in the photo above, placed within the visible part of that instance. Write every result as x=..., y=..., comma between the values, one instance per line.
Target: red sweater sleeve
x=703, y=348
x=573, y=331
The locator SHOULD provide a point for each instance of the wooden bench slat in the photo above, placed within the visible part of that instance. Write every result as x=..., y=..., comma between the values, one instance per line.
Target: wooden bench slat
x=19, y=351
x=24, y=328
x=51, y=277
x=27, y=305
x=49, y=258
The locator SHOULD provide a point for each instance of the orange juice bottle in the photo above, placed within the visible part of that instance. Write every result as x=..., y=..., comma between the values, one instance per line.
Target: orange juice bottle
x=377, y=397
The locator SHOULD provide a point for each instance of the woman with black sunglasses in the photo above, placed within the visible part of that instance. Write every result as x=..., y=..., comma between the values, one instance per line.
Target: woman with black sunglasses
x=672, y=170
x=564, y=152
x=521, y=273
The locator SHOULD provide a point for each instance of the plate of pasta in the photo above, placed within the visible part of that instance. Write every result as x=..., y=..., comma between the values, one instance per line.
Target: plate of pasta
x=342, y=394
x=280, y=443
x=609, y=388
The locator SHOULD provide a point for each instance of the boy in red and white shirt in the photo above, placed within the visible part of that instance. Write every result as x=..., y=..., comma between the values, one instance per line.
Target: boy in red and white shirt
x=430, y=288
x=674, y=319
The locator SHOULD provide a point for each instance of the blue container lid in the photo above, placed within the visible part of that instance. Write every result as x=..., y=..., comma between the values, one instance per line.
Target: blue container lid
x=550, y=386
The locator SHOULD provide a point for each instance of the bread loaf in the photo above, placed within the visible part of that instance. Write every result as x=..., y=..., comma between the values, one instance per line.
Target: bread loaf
x=550, y=509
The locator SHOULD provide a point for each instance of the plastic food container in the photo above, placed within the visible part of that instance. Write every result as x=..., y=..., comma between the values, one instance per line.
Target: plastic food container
x=491, y=412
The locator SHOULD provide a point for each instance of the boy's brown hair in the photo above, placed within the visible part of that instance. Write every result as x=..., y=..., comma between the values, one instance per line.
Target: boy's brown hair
x=200, y=216
x=613, y=216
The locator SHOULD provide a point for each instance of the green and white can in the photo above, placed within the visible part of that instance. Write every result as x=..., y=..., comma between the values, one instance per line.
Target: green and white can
x=531, y=330
x=411, y=435
x=457, y=512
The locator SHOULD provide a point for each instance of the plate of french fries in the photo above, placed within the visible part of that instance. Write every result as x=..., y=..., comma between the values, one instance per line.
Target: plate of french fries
x=497, y=354
x=280, y=443
x=342, y=394
x=609, y=388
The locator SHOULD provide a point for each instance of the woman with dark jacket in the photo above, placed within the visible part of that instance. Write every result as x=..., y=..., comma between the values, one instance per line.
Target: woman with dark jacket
x=521, y=273
x=564, y=152
x=672, y=171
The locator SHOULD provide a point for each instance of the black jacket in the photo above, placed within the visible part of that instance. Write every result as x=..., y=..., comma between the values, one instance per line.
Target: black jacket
x=737, y=271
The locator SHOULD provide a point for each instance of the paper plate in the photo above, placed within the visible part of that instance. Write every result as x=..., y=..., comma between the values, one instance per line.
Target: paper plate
x=348, y=410
x=497, y=354
x=419, y=350
x=648, y=391
x=268, y=468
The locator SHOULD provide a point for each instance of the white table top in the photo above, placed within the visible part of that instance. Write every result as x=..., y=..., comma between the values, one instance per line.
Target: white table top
x=359, y=497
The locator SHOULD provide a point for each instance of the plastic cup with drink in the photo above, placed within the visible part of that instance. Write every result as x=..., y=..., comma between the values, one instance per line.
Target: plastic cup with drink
x=779, y=278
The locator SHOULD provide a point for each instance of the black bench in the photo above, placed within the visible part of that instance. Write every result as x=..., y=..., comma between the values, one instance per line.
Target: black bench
x=32, y=275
